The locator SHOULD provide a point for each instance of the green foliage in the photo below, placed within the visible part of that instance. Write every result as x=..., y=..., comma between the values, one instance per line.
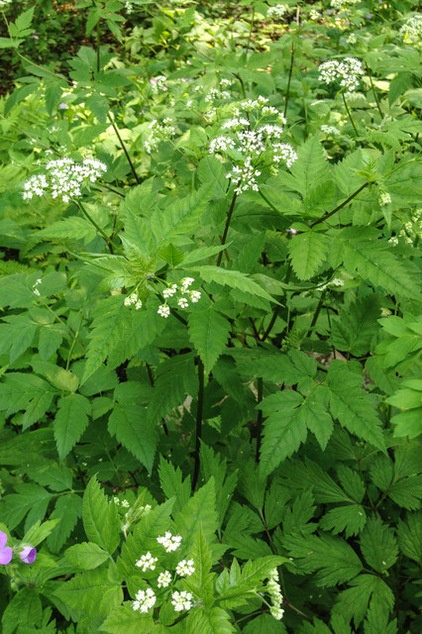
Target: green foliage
x=210, y=323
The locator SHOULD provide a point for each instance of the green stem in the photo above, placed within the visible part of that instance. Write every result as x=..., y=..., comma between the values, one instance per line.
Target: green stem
x=343, y=204
x=260, y=418
x=123, y=146
x=316, y=313
x=292, y=57
x=226, y=228
x=377, y=101
x=349, y=113
x=199, y=415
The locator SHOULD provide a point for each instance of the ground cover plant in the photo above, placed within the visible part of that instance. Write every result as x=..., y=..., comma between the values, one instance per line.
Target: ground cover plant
x=210, y=327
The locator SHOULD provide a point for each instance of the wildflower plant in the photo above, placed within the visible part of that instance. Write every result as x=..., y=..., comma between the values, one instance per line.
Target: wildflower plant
x=210, y=331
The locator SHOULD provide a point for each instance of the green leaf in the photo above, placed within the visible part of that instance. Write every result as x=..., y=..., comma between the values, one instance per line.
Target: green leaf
x=209, y=332
x=26, y=392
x=233, y=279
x=214, y=466
x=409, y=536
x=86, y=555
x=179, y=217
x=23, y=608
x=70, y=422
x=378, y=545
x=68, y=510
x=311, y=166
x=353, y=602
x=124, y=620
x=72, y=228
x=201, y=582
x=199, y=514
x=349, y=519
x=356, y=326
x=16, y=335
x=176, y=378
x=331, y=558
x=354, y=408
x=284, y=429
x=173, y=485
x=30, y=500
x=308, y=252
x=39, y=532
x=265, y=624
x=91, y=593
x=377, y=620
x=128, y=423
x=209, y=621
x=100, y=518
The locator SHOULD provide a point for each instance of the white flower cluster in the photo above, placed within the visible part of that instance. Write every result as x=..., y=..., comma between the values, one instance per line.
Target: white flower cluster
x=185, y=568
x=133, y=300
x=411, y=230
x=164, y=579
x=336, y=281
x=412, y=29
x=64, y=178
x=35, y=289
x=158, y=84
x=214, y=94
x=159, y=132
x=249, y=141
x=4, y=3
x=346, y=73
x=278, y=11
x=185, y=293
x=170, y=542
x=340, y=5
x=274, y=592
x=330, y=130
x=146, y=562
x=384, y=198
x=181, y=600
x=144, y=600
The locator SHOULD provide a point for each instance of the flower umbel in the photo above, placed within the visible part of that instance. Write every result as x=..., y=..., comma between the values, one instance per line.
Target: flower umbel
x=181, y=600
x=346, y=73
x=170, y=542
x=144, y=600
x=146, y=562
x=164, y=579
x=185, y=568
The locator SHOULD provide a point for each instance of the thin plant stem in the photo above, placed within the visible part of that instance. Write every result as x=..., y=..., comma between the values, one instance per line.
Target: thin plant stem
x=199, y=415
x=227, y=226
x=377, y=101
x=349, y=113
x=316, y=313
x=289, y=80
x=124, y=148
x=340, y=206
x=260, y=418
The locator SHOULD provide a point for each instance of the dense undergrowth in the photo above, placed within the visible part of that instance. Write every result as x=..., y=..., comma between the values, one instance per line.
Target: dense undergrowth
x=211, y=330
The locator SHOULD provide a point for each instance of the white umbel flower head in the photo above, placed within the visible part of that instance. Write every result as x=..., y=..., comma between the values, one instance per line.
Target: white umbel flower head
x=346, y=73
x=170, y=542
x=146, y=562
x=181, y=600
x=144, y=600
x=185, y=568
x=164, y=579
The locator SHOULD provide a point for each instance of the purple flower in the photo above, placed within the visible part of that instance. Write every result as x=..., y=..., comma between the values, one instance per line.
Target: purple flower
x=28, y=554
x=5, y=551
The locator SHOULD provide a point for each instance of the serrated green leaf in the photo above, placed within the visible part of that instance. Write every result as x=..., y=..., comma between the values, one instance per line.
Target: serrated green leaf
x=307, y=252
x=91, y=593
x=100, y=518
x=176, y=378
x=353, y=602
x=199, y=514
x=209, y=621
x=70, y=422
x=378, y=545
x=311, y=166
x=265, y=624
x=180, y=216
x=86, y=555
x=68, y=510
x=128, y=423
x=349, y=519
x=124, y=620
x=72, y=228
x=233, y=279
x=409, y=536
x=355, y=327
x=353, y=407
x=39, y=532
x=24, y=607
x=201, y=582
x=332, y=559
x=208, y=331
x=16, y=335
x=173, y=485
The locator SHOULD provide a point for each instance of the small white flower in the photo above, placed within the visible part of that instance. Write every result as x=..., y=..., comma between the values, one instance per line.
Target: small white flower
x=278, y=11
x=181, y=600
x=145, y=600
x=169, y=292
x=185, y=568
x=163, y=310
x=384, y=198
x=146, y=562
x=346, y=72
x=182, y=302
x=164, y=579
x=170, y=542
x=195, y=296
